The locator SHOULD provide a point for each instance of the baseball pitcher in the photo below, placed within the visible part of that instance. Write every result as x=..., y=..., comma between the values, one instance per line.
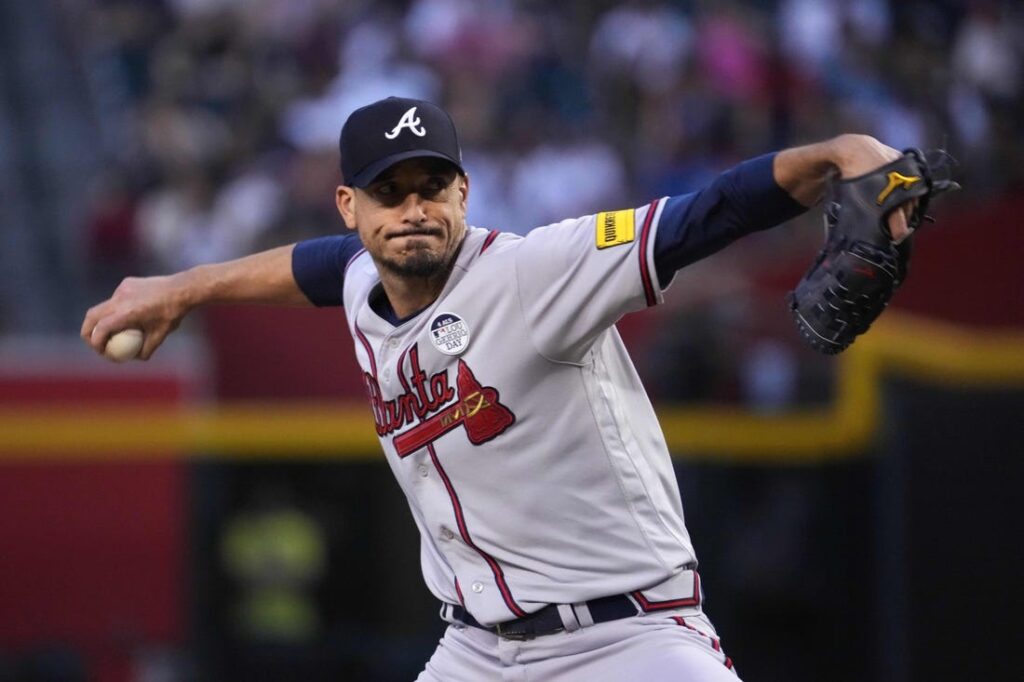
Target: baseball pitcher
x=552, y=531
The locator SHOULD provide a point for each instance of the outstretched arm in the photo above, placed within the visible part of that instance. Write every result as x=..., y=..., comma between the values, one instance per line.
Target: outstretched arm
x=157, y=305
x=761, y=193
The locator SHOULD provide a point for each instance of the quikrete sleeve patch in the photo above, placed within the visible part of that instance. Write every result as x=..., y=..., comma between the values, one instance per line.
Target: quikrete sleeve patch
x=614, y=228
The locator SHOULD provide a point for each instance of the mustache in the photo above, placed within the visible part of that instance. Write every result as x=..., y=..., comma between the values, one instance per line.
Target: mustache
x=418, y=231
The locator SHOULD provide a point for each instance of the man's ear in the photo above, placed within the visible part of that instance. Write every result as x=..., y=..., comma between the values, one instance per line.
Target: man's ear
x=464, y=190
x=344, y=199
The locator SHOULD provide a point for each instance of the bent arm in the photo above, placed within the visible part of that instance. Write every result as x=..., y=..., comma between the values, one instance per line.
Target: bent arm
x=157, y=305
x=761, y=193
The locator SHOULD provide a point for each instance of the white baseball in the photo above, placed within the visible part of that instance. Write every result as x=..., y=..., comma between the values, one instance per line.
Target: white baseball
x=124, y=345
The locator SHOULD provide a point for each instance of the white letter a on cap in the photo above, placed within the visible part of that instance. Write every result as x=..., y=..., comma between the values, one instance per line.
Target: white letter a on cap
x=407, y=121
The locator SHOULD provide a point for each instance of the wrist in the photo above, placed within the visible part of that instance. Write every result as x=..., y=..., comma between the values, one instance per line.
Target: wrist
x=840, y=150
x=803, y=171
x=192, y=287
x=853, y=155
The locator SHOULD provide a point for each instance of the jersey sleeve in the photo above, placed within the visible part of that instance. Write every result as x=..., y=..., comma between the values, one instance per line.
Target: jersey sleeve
x=577, y=277
x=318, y=266
x=742, y=200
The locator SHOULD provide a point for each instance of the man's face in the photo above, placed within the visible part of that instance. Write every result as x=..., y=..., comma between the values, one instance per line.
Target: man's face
x=411, y=218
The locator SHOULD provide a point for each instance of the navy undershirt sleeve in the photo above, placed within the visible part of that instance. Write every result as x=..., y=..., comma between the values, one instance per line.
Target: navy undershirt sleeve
x=742, y=200
x=318, y=266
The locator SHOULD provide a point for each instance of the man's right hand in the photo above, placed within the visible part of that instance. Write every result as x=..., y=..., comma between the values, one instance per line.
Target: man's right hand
x=156, y=305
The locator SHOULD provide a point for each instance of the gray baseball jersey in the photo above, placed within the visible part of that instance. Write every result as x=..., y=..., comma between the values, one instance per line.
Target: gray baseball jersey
x=517, y=426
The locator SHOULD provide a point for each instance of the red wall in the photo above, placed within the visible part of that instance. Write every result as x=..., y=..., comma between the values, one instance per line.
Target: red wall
x=91, y=553
x=967, y=267
x=260, y=352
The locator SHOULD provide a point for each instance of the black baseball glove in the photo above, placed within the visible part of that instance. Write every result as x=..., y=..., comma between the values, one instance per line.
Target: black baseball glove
x=859, y=268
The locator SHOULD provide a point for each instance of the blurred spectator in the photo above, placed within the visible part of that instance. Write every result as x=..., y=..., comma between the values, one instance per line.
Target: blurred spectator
x=987, y=53
x=372, y=67
x=566, y=178
x=644, y=42
x=731, y=54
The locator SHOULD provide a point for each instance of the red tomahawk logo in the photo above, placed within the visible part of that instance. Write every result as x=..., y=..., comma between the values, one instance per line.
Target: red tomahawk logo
x=476, y=407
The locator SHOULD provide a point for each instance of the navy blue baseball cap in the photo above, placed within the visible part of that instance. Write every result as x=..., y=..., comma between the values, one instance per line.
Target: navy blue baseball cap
x=379, y=135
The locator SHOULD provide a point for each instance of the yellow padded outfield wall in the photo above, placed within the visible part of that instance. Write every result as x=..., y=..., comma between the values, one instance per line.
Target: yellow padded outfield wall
x=928, y=352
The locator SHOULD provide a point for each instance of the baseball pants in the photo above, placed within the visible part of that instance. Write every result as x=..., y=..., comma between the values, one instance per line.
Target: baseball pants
x=680, y=646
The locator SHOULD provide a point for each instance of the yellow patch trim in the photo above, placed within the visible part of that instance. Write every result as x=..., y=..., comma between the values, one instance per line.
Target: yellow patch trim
x=614, y=228
x=896, y=180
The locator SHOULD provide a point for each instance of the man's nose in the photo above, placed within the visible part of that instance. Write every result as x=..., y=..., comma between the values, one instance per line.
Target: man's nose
x=412, y=209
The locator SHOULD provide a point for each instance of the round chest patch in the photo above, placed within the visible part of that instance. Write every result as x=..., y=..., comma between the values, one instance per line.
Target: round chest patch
x=450, y=333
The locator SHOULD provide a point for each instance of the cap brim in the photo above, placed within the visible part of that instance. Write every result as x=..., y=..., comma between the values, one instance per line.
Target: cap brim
x=370, y=173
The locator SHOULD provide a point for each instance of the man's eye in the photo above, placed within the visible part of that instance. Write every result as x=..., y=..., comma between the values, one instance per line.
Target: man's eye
x=436, y=184
x=384, y=190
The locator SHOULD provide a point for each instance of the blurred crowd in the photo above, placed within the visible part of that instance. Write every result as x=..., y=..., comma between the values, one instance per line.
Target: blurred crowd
x=219, y=118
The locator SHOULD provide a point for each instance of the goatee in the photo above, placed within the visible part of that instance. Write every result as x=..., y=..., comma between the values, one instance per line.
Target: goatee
x=421, y=263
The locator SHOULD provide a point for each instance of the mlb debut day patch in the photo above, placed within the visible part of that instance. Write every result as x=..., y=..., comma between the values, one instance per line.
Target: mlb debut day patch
x=614, y=228
x=450, y=333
